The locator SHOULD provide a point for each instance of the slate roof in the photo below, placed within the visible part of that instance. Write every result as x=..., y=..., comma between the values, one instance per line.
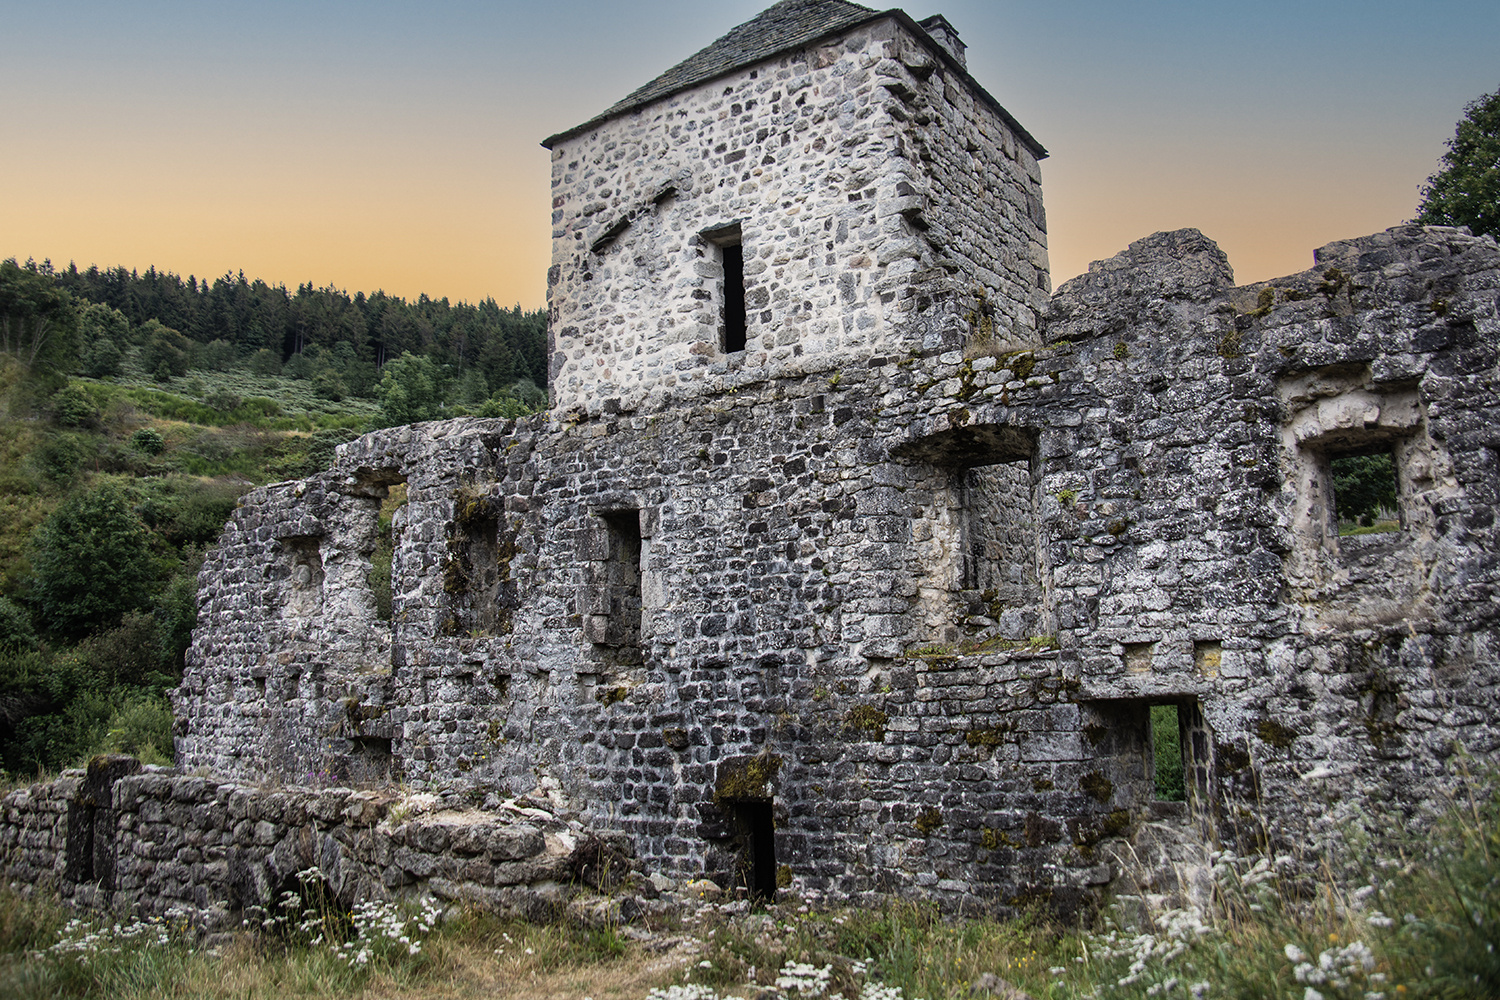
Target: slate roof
x=783, y=27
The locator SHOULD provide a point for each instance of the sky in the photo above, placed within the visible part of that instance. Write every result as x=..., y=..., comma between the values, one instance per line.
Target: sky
x=395, y=145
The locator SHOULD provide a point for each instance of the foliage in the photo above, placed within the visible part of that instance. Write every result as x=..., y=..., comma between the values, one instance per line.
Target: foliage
x=73, y=407
x=409, y=391
x=1363, y=486
x=1466, y=191
x=142, y=727
x=92, y=562
x=16, y=631
x=38, y=324
x=269, y=325
x=148, y=440
x=1166, y=740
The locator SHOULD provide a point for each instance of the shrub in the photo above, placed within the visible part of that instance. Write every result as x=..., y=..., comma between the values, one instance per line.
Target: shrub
x=142, y=727
x=58, y=458
x=91, y=562
x=15, y=626
x=72, y=407
x=148, y=440
x=103, y=359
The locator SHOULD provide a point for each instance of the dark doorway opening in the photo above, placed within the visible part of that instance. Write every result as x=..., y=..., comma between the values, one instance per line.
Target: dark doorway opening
x=758, y=827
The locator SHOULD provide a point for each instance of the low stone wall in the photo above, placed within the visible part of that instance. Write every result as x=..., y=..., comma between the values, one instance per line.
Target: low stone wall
x=127, y=838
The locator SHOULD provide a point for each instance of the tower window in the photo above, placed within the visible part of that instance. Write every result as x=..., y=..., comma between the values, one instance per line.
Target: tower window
x=730, y=256
x=734, y=297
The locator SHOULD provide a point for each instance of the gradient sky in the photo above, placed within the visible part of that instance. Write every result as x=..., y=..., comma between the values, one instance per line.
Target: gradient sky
x=395, y=145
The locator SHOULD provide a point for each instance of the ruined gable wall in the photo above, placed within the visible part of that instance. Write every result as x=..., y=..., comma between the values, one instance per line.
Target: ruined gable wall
x=824, y=167
x=290, y=666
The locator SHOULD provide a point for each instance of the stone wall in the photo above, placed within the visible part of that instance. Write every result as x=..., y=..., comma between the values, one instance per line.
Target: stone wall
x=151, y=841
x=768, y=611
x=882, y=204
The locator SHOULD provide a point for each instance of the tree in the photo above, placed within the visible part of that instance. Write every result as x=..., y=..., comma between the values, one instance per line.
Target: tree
x=1363, y=486
x=408, y=391
x=91, y=563
x=38, y=324
x=1466, y=191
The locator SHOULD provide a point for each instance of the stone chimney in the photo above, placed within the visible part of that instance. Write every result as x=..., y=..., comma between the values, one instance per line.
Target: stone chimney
x=947, y=36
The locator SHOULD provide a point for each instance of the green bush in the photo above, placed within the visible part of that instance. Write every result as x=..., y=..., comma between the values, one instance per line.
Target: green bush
x=91, y=562
x=71, y=406
x=16, y=631
x=149, y=441
x=58, y=457
x=1166, y=742
x=186, y=511
x=142, y=727
x=103, y=359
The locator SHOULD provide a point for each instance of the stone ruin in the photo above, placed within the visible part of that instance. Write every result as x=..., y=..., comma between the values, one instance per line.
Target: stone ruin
x=850, y=558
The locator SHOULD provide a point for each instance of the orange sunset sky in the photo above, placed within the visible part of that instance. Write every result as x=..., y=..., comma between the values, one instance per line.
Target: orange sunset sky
x=395, y=145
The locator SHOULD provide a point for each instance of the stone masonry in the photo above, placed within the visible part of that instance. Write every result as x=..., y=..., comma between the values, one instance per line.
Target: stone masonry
x=872, y=587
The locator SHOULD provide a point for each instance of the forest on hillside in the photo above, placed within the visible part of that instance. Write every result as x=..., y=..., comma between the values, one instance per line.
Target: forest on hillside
x=135, y=410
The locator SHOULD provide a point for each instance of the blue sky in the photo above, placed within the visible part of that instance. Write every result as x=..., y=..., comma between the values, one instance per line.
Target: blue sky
x=394, y=145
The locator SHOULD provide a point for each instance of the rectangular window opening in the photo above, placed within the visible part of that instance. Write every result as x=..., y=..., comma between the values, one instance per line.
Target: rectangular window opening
x=1166, y=747
x=622, y=579
x=382, y=560
x=733, y=258
x=1365, y=491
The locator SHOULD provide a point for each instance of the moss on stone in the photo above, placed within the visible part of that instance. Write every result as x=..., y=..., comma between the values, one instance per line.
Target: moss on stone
x=928, y=820
x=986, y=737
x=1095, y=733
x=611, y=696
x=750, y=779
x=866, y=720
x=1097, y=786
x=1116, y=823
x=1230, y=345
x=1272, y=732
x=783, y=876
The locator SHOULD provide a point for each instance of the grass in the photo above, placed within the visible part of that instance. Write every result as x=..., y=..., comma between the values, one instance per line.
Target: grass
x=1385, y=914
x=1347, y=528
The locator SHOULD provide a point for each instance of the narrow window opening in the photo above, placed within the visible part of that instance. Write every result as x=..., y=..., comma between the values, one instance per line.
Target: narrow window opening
x=757, y=827
x=1166, y=747
x=733, y=255
x=1365, y=494
x=979, y=538
x=617, y=603
x=382, y=561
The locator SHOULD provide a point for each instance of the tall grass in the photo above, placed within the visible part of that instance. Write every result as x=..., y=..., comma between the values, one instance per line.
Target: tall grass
x=1400, y=915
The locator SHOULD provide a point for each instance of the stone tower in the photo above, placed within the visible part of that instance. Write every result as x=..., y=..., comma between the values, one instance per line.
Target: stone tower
x=823, y=185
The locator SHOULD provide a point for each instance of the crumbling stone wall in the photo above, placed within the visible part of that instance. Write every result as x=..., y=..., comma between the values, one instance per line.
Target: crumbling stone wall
x=127, y=839
x=772, y=651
